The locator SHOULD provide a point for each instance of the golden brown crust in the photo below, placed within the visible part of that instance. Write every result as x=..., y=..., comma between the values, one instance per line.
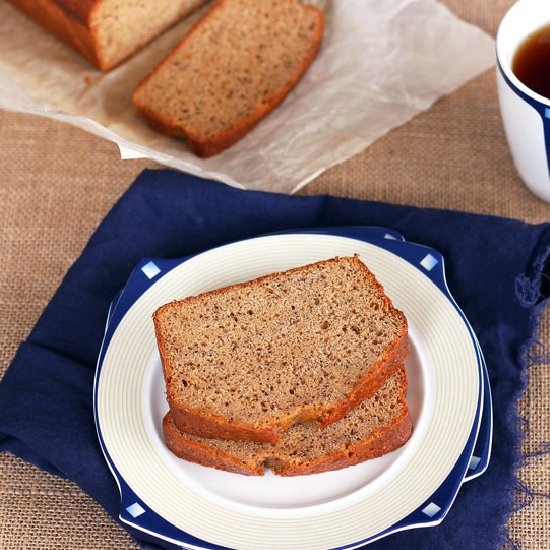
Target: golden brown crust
x=204, y=423
x=79, y=9
x=381, y=442
x=198, y=423
x=195, y=451
x=68, y=21
x=218, y=142
x=378, y=443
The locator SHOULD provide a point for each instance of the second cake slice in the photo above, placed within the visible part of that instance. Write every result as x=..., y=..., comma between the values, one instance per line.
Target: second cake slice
x=250, y=360
x=378, y=425
x=234, y=67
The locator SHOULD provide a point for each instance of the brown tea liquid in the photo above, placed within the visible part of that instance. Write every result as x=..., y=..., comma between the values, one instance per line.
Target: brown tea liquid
x=531, y=63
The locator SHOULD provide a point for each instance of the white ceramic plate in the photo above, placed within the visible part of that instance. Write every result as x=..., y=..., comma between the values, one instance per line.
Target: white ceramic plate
x=331, y=510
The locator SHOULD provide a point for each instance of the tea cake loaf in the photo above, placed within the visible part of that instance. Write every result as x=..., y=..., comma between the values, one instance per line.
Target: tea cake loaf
x=106, y=32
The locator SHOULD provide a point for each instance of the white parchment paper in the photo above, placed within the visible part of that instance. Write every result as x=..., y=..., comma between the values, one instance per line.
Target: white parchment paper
x=381, y=63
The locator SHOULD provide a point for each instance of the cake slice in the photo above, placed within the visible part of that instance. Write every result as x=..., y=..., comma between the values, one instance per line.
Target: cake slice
x=250, y=360
x=106, y=32
x=235, y=66
x=375, y=427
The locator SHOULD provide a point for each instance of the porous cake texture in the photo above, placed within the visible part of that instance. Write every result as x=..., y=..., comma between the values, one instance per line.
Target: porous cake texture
x=375, y=427
x=236, y=65
x=306, y=345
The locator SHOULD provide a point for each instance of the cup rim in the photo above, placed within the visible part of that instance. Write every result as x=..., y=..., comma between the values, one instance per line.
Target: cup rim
x=506, y=67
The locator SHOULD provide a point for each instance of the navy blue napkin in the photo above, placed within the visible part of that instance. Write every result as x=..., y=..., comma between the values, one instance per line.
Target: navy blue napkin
x=497, y=270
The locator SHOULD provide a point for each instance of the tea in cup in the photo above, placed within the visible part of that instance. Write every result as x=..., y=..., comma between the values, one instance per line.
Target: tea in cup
x=523, y=82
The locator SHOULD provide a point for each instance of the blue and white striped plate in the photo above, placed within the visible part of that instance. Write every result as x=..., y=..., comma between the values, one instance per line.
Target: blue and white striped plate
x=198, y=507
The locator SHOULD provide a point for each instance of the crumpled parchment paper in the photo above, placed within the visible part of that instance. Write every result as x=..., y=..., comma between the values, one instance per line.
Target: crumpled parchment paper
x=381, y=63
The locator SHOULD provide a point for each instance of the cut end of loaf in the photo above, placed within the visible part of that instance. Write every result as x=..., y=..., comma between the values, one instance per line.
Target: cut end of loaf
x=287, y=347
x=121, y=27
x=234, y=67
x=106, y=32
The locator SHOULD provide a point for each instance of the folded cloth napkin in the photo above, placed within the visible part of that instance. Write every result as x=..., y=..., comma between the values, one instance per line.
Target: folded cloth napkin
x=497, y=270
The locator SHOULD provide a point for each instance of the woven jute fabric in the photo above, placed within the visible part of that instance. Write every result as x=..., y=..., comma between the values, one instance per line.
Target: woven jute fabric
x=57, y=183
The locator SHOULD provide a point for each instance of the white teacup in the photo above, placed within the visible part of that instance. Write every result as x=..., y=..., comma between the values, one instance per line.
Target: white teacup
x=525, y=113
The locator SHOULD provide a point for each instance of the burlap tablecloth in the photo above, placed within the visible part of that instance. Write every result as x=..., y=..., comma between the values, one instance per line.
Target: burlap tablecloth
x=57, y=183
